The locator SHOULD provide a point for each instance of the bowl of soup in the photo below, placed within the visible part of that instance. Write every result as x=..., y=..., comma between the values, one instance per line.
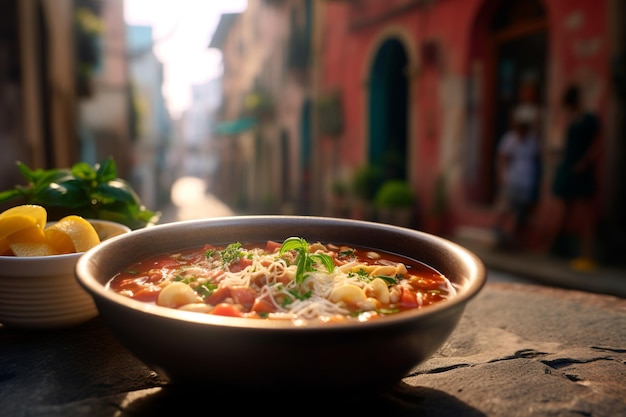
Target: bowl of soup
x=281, y=303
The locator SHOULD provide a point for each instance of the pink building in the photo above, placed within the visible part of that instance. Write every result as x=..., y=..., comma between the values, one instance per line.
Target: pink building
x=429, y=86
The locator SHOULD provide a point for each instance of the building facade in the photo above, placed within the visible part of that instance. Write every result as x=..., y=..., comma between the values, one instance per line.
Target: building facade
x=75, y=85
x=423, y=91
x=434, y=82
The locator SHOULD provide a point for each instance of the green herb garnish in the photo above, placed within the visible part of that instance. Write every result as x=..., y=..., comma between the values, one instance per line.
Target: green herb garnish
x=389, y=280
x=305, y=260
x=364, y=276
x=205, y=289
x=232, y=253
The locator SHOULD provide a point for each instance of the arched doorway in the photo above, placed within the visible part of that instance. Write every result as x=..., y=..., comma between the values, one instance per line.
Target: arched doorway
x=509, y=49
x=388, y=111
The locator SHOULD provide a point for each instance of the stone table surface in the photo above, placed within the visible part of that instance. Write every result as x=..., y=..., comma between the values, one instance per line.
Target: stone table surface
x=519, y=350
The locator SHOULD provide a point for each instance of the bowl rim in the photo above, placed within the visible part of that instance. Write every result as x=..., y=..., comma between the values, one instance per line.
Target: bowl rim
x=101, y=294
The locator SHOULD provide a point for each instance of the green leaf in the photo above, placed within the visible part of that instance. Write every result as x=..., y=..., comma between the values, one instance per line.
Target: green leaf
x=70, y=194
x=10, y=194
x=294, y=243
x=83, y=171
x=325, y=260
x=114, y=191
x=305, y=261
x=25, y=171
x=388, y=280
x=107, y=170
x=85, y=190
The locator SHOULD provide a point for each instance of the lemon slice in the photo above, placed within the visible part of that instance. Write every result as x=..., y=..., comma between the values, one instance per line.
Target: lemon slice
x=30, y=241
x=59, y=240
x=13, y=223
x=72, y=234
x=36, y=212
x=5, y=249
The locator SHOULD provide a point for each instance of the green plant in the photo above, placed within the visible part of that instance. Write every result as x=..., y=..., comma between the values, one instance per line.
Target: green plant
x=366, y=181
x=93, y=192
x=395, y=194
x=440, y=200
x=339, y=188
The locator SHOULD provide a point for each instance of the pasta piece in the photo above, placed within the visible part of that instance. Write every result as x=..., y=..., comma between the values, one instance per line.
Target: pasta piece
x=348, y=293
x=177, y=294
x=380, y=291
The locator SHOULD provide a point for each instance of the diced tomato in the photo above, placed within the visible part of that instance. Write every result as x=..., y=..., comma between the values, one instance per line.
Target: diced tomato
x=239, y=265
x=225, y=309
x=147, y=293
x=244, y=296
x=219, y=295
x=154, y=277
x=263, y=305
x=132, y=281
x=271, y=246
x=408, y=299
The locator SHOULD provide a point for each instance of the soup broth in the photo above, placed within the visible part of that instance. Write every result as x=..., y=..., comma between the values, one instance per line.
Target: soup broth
x=290, y=280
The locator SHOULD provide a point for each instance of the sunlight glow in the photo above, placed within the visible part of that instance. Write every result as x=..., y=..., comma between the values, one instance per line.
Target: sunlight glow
x=183, y=29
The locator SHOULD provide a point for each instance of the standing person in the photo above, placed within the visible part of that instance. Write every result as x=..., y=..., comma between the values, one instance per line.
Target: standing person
x=518, y=177
x=574, y=182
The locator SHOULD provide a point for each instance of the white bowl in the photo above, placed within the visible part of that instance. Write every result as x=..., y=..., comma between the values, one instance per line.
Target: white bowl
x=41, y=292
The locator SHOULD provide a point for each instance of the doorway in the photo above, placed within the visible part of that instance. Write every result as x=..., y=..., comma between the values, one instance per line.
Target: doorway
x=514, y=69
x=388, y=108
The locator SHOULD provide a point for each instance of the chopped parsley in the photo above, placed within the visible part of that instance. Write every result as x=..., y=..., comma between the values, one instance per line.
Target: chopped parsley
x=232, y=253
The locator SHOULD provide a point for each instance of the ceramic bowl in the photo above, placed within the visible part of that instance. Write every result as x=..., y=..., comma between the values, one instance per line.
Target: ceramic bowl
x=276, y=355
x=41, y=292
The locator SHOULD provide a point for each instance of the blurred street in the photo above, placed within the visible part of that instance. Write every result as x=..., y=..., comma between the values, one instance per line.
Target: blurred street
x=191, y=201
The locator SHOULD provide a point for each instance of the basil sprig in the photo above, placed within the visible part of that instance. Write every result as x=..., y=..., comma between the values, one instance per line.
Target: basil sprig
x=305, y=261
x=93, y=192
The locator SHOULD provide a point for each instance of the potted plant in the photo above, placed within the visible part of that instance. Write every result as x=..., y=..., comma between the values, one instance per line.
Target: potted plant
x=395, y=202
x=340, y=194
x=365, y=183
x=436, y=219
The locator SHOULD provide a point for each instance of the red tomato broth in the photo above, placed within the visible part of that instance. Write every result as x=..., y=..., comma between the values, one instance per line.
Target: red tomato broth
x=205, y=269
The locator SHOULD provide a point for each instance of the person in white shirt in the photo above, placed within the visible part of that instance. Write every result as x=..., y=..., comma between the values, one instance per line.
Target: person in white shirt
x=518, y=172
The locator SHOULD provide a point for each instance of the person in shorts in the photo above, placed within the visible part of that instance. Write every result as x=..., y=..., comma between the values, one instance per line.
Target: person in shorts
x=574, y=184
